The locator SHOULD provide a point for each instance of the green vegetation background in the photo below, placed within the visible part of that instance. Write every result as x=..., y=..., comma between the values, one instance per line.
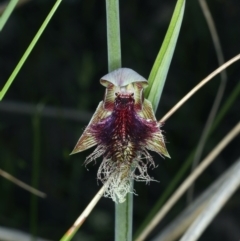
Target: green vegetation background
x=63, y=71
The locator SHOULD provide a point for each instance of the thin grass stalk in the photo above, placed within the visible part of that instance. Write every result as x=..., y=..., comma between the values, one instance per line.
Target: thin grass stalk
x=29, y=50
x=198, y=86
x=7, y=12
x=22, y=184
x=188, y=181
x=123, y=211
x=80, y=220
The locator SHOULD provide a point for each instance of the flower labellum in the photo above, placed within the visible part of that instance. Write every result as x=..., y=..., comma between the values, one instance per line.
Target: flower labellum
x=124, y=128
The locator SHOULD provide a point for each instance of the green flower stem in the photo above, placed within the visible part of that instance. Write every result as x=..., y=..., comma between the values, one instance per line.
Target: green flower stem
x=28, y=51
x=113, y=35
x=123, y=211
x=7, y=12
x=123, y=219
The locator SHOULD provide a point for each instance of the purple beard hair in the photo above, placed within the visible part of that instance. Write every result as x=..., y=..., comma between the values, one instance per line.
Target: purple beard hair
x=124, y=134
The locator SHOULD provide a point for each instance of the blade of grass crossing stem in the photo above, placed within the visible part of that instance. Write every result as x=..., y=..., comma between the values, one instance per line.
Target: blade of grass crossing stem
x=160, y=68
x=7, y=12
x=29, y=49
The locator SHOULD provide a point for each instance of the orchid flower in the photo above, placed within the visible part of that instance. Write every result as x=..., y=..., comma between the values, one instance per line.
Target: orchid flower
x=124, y=128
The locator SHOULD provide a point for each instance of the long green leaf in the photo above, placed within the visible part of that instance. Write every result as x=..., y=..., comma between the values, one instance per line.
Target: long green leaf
x=7, y=12
x=161, y=66
x=29, y=50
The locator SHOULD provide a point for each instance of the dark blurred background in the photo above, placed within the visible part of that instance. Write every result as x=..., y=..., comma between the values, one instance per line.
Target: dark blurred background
x=57, y=90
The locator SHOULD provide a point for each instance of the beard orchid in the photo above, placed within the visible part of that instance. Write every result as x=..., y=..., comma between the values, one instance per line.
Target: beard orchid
x=124, y=128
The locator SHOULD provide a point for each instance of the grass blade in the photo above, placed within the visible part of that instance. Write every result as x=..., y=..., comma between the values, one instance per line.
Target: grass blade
x=78, y=223
x=22, y=184
x=7, y=12
x=161, y=66
x=29, y=50
x=198, y=86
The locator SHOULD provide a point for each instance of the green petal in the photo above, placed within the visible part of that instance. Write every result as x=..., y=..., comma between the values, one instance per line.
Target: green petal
x=138, y=96
x=147, y=111
x=110, y=96
x=156, y=143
